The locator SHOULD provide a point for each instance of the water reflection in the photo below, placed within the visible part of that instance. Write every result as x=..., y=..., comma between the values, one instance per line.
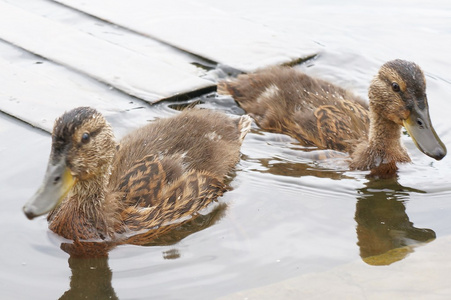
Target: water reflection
x=278, y=167
x=196, y=224
x=88, y=261
x=162, y=236
x=91, y=279
x=385, y=233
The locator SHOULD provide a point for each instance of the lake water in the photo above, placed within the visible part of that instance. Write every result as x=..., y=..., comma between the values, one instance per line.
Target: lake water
x=291, y=227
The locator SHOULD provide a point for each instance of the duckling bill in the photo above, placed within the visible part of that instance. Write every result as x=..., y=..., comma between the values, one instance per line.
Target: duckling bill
x=97, y=189
x=322, y=115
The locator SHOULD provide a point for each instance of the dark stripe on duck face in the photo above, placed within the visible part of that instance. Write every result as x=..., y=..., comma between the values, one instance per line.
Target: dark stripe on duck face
x=65, y=127
x=413, y=85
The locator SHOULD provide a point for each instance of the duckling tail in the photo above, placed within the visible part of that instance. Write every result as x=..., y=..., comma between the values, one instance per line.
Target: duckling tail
x=223, y=88
x=244, y=126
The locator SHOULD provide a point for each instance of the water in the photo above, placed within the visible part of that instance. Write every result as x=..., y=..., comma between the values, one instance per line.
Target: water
x=291, y=227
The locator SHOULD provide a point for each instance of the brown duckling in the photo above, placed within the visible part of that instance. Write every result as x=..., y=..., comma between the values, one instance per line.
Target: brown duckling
x=322, y=115
x=159, y=174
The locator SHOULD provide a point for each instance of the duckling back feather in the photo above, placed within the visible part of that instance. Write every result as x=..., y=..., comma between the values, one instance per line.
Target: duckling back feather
x=314, y=111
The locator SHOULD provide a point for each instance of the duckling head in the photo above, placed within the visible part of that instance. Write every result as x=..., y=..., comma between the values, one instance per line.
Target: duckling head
x=398, y=94
x=83, y=149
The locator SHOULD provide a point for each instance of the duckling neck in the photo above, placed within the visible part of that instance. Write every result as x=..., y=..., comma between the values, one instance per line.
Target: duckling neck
x=89, y=195
x=382, y=150
x=87, y=212
x=384, y=135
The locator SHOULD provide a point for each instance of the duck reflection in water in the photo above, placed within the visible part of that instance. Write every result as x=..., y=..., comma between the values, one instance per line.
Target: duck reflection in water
x=91, y=276
x=91, y=279
x=385, y=233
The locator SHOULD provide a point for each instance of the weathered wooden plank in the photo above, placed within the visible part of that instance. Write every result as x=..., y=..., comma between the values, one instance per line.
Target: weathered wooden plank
x=38, y=91
x=115, y=34
x=126, y=70
x=203, y=30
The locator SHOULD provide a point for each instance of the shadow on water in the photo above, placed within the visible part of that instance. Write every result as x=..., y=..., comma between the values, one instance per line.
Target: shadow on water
x=91, y=276
x=385, y=233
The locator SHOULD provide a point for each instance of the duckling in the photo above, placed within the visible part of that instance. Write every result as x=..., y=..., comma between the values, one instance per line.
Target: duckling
x=158, y=175
x=320, y=114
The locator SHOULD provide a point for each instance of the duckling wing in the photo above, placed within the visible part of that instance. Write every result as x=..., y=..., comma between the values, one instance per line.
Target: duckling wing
x=178, y=202
x=340, y=126
x=159, y=192
x=142, y=184
x=315, y=112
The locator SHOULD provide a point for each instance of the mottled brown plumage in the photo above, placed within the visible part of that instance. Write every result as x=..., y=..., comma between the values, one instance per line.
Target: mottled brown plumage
x=159, y=175
x=323, y=115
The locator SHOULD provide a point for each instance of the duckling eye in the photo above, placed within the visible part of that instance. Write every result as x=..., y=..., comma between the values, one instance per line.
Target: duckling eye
x=395, y=87
x=85, y=138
